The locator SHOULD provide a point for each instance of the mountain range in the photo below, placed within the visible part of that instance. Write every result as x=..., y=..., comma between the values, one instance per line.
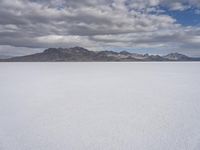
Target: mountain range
x=5, y=56
x=79, y=54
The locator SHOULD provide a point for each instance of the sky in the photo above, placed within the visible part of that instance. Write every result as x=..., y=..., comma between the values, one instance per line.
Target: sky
x=141, y=26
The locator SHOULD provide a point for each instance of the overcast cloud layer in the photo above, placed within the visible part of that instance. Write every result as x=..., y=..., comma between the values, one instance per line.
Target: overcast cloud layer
x=97, y=25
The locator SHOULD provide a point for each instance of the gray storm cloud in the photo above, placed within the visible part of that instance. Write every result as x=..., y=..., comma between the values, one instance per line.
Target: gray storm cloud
x=95, y=24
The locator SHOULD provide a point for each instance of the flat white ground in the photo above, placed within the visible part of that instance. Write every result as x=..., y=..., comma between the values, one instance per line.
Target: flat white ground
x=100, y=106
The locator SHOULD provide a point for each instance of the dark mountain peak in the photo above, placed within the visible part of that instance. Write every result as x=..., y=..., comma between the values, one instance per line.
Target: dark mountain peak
x=5, y=56
x=125, y=53
x=177, y=56
x=77, y=51
x=73, y=50
x=51, y=50
x=77, y=48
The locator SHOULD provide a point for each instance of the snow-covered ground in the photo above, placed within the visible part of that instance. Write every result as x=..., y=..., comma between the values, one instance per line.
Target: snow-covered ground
x=100, y=106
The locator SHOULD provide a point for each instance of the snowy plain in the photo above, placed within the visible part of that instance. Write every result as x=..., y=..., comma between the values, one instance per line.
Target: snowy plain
x=100, y=106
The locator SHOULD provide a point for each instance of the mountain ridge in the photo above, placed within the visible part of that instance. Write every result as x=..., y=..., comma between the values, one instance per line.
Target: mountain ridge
x=76, y=54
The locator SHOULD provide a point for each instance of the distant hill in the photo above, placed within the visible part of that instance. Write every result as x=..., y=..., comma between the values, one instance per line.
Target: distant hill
x=177, y=57
x=5, y=56
x=77, y=54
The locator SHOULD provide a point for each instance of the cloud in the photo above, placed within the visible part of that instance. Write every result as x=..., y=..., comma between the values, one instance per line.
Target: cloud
x=178, y=6
x=95, y=24
x=171, y=4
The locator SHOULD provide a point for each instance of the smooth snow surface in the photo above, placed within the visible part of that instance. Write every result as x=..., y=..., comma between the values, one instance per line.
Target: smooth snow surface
x=100, y=106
